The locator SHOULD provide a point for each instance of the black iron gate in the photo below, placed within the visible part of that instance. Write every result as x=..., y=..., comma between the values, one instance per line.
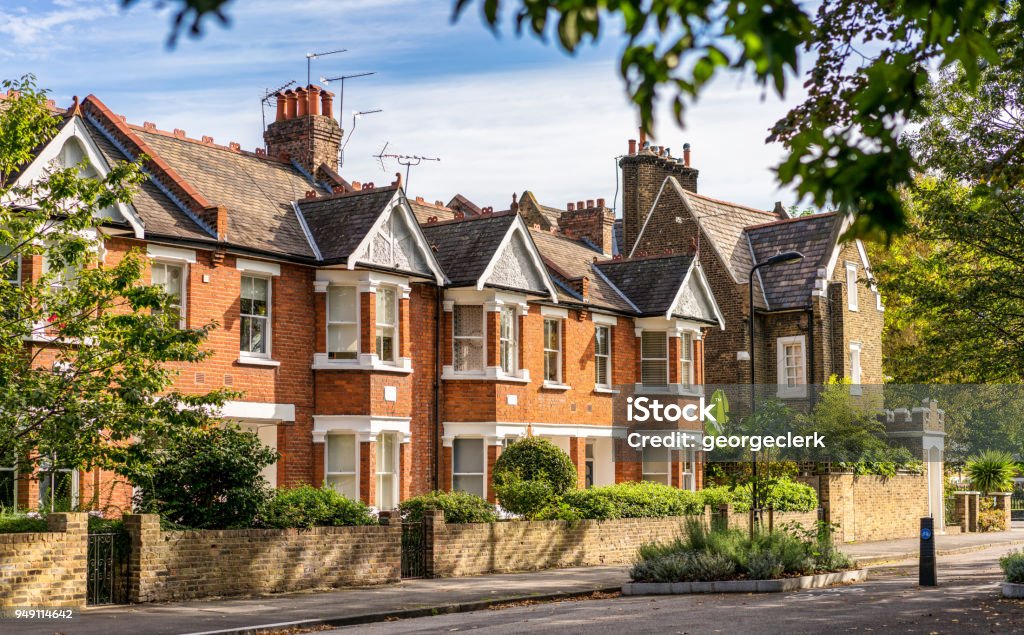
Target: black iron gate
x=107, y=569
x=414, y=561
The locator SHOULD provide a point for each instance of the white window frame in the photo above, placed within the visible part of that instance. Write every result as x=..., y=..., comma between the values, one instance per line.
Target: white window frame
x=48, y=473
x=605, y=358
x=482, y=338
x=785, y=389
x=268, y=317
x=688, y=458
x=395, y=474
x=13, y=469
x=851, y=286
x=686, y=360
x=483, y=462
x=333, y=322
x=182, y=300
x=16, y=279
x=589, y=465
x=378, y=325
x=856, y=370
x=665, y=478
x=643, y=359
x=559, y=378
x=508, y=346
x=355, y=461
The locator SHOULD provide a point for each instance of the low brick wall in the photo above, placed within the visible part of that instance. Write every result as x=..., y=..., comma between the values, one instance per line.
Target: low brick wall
x=179, y=565
x=872, y=507
x=505, y=547
x=45, y=569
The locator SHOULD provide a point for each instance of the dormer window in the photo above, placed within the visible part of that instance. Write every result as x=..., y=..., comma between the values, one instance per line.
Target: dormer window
x=342, y=322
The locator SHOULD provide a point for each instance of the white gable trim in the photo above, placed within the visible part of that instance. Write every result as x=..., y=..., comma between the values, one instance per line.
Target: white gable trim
x=76, y=129
x=306, y=232
x=398, y=203
x=519, y=226
x=702, y=281
x=833, y=260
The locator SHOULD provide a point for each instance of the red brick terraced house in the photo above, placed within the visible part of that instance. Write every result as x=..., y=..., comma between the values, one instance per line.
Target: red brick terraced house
x=386, y=346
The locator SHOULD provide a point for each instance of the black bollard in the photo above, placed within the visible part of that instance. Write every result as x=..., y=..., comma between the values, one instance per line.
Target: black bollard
x=926, y=568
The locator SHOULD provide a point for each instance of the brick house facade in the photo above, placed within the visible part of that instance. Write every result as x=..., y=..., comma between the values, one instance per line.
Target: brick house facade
x=823, y=311
x=387, y=347
x=383, y=345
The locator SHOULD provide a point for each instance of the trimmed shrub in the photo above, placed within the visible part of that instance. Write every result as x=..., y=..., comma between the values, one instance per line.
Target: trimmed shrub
x=208, y=479
x=625, y=500
x=458, y=507
x=307, y=506
x=990, y=518
x=782, y=495
x=13, y=523
x=530, y=473
x=1012, y=565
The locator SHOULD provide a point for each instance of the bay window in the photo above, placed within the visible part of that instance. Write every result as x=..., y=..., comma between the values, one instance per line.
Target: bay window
x=553, y=351
x=171, y=278
x=342, y=322
x=468, y=466
x=603, y=356
x=654, y=358
x=255, y=316
x=341, y=465
x=387, y=324
x=509, y=340
x=468, y=338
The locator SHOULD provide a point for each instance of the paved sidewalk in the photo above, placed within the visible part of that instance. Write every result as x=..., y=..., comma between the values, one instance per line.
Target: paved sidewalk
x=412, y=598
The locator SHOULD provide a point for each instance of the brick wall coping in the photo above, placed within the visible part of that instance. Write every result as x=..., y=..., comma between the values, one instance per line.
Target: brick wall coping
x=271, y=532
x=39, y=536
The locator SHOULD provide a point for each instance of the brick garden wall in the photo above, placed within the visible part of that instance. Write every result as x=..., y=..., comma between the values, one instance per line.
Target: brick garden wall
x=505, y=547
x=179, y=565
x=45, y=569
x=872, y=507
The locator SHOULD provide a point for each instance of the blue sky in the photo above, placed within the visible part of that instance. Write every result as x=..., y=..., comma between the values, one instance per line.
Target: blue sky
x=503, y=114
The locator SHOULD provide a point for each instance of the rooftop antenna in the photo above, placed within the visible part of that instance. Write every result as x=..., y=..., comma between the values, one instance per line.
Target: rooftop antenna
x=266, y=100
x=407, y=160
x=355, y=117
x=312, y=56
x=341, y=91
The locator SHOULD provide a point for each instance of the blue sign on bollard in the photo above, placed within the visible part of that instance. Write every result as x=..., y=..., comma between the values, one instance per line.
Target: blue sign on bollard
x=926, y=534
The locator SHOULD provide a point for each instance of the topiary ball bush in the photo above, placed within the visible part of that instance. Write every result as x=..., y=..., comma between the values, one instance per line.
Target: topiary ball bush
x=531, y=473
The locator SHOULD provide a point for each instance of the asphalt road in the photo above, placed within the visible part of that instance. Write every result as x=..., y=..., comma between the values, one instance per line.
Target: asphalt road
x=967, y=601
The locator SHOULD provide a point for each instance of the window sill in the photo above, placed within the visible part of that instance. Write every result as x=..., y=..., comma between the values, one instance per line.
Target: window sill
x=601, y=390
x=257, y=361
x=794, y=393
x=669, y=389
x=492, y=374
x=322, y=362
x=553, y=386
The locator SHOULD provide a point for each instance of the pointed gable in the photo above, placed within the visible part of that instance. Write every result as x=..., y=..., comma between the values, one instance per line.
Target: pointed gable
x=695, y=299
x=514, y=267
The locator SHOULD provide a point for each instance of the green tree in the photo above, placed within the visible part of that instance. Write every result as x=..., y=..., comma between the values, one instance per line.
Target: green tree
x=530, y=473
x=86, y=350
x=954, y=305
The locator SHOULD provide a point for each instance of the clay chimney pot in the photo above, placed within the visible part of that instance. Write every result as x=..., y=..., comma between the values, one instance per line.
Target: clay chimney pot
x=313, y=100
x=281, y=99
x=327, y=103
x=571, y=207
x=590, y=203
x=600, y=202
x=632, y=146
x=301, y=102
x=290, y=104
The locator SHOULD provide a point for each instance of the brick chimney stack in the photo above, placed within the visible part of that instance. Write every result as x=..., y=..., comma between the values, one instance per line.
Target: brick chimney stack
x=305, y=130
x=590, y=220
x=644, y=169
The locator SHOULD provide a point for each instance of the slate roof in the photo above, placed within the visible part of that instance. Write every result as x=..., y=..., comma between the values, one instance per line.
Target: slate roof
x=423, y=211
x=465, y=247
x=574, y=259
x=257, y=191
x=650, y=283
x=160, y=216
x=724, y=223
x=789, y=286
x=339, y=223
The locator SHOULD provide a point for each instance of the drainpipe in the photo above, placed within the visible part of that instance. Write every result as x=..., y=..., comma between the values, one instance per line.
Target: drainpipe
x=810, y=352
x=438, y=365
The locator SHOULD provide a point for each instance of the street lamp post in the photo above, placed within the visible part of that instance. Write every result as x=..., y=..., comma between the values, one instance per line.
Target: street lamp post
x=786, y=256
